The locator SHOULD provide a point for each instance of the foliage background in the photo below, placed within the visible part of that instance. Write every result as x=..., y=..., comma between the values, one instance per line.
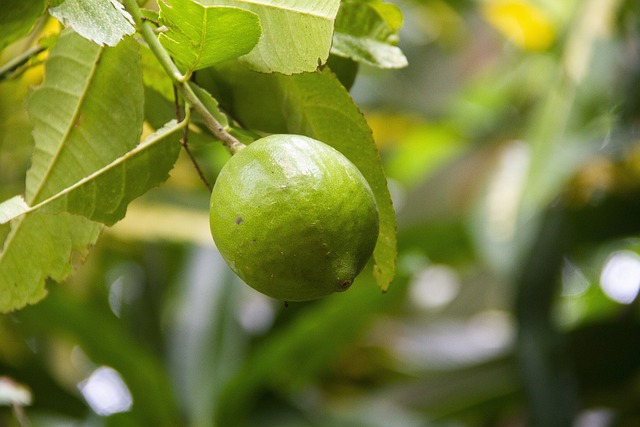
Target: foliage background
x=510, y=142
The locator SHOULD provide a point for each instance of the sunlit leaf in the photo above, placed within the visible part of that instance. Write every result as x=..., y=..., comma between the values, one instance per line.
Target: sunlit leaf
x=103, y=21
x=367, y=31
x=200, y=36
x=296, y=35
x=86, y=113
x=12, y=208
x=104, y=195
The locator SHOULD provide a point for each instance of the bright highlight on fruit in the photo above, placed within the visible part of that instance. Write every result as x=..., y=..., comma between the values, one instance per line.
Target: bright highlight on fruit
x=293, y=217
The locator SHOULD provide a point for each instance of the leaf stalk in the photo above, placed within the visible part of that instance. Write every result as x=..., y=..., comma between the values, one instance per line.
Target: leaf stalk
x=180, y=80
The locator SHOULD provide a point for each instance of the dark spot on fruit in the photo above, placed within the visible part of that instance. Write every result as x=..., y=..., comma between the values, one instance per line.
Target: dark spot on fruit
x=286, y=304
x=239, y=220
x=344, y=285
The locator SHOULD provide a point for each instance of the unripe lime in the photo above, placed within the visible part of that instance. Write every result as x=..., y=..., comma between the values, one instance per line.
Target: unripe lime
x=293, y=217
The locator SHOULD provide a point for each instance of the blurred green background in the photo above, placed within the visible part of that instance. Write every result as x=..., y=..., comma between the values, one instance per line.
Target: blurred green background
x=512, y=149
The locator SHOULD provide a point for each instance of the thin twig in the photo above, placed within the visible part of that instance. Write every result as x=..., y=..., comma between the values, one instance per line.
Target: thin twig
x=184, y=142
x=176, y=103
x=23, y=58
x=230, y=142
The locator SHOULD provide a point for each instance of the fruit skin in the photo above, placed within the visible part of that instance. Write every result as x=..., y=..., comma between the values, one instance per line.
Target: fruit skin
x=293, y=217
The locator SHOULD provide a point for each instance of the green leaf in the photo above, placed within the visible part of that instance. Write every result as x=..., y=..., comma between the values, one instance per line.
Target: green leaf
x=103, y=21
x=104, y=195
x=200, y=36
x=318, y=106
x=86, y=113
x=367, y=31
x=296, y=34
x=40, y=246
x=17, y=18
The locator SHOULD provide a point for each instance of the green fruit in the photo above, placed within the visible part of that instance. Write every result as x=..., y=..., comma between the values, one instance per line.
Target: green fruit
x=293, y=217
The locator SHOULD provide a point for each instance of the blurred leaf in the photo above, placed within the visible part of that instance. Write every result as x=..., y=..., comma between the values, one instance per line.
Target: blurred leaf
x=367, y=31
x=102, y=336
x=170, y=224
x=205, y=335
x=200, y=36
x=104, y=22
x=50, y=396
x=17, y=18
x=531, y=173
x=296, y=35
x=13, y=393
x=295, y=355
x=424, y=149
x=617, y=360
x=522, y=22
x=93, y=113
x=318, y=106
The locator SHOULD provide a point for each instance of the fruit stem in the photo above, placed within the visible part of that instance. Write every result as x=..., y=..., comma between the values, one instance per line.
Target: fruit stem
x=179, y=80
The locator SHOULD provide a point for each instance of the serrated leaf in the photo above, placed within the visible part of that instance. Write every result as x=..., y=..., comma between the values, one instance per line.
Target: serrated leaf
x=17, y=18
x=104, y=22
x=86, y=113
x=316, y=105
x=296, y=34
x=200, y=36
x=40, y=247
x=104, y=195
x=210, y=104
x=367, y=31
